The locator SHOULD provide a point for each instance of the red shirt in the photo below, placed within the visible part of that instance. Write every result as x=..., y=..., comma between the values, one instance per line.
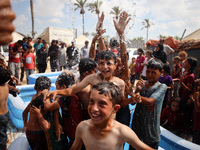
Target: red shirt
x=188, y=79
x=16, y=58
x=29, y=58
x=176, y=120
x=138, y=66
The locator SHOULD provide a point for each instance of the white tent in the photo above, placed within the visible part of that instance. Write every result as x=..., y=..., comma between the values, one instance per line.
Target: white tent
x=194, y=35
x=17, y=36
x=50, y=33
x=80, y=41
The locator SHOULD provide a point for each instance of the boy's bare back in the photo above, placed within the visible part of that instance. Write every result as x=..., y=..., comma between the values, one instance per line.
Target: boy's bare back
x=4, y=90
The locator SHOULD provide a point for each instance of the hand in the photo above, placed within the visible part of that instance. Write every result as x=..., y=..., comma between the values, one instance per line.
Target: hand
x=59, y=131
x=128, y=87
x=36, y=111
x=69, y=73
x=24, y=129
x=98, y=35
x=99, y=23
x=51, y=94
x=18, y=91
x=140, y=84
x=121, y=25
x=138, y=98
x=183, y=76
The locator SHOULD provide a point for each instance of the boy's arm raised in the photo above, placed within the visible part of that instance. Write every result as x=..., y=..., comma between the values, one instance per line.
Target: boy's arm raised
x=130, y=137
x=120, y=27
x=71, y=91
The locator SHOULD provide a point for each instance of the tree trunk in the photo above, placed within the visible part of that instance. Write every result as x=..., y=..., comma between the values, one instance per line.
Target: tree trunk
x=32, y=17
x=83, y=24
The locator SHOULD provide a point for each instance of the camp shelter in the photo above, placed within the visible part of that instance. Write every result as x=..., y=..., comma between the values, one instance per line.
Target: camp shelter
x=17, y=36
x=80, y=41
x=51, y=33
x=194, y=35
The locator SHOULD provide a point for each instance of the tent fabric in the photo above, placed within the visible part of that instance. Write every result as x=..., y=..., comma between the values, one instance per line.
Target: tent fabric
x=171, y=41
x=80, y=41
x=188, y=44
x=194, y=35
x=51, y=33
x=17, y=36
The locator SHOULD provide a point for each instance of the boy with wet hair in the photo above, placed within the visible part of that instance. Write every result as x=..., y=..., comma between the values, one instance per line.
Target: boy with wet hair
x=107, y=65
x=5, y=76
x=70, y=106
x=146, y=118
x=37, y=125
x=86, y=67
x=102, y=131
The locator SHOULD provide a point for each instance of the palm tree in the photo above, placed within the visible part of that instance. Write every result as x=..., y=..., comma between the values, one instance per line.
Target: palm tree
x=116, y=11
x=80, y=4
x=32, y=18
x=95, y=7
x=146, y=24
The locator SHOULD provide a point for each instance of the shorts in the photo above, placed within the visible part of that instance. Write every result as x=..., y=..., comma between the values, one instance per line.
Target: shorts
x=37, y=140
x=3, y=129
x=29, y=72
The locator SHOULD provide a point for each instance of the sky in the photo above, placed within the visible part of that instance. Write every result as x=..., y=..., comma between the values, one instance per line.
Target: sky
x=169, y=18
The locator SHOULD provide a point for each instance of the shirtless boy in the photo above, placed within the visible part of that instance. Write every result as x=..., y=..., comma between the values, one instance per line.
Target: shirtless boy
x=5, y=75
x=101, y=131
x=37, y=125
x=107, y=65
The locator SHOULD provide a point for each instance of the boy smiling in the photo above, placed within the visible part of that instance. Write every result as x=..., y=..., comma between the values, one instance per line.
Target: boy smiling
x=146, y=118
x=107, y=65
x=101, y=131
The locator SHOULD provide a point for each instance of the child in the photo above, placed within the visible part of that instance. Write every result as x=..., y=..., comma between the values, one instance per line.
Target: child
x=146, y=118
x=87, y=66
x=166, y=79
x=101, y=131
x=173, y=118
x=71, y=106
x=176, y=74
x=4, y=114
x=29, y=61
x=139, y=62
x=183, y=55
x=107, y=65
x=37, y=125
x=132, y=70
x=144, y=64
x=196, y=113
x=186, y=84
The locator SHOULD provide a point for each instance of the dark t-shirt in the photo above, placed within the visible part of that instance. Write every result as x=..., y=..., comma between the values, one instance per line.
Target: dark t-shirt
x=53, y=52
x=72, y=53
x=42, y=56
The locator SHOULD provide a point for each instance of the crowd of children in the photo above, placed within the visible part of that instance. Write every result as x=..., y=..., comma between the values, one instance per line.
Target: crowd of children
x=95, y=111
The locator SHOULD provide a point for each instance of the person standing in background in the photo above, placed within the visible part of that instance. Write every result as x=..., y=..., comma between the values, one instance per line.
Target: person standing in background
x=42, y=55
x=85, y=50
x=62, y=57
x=14, y=62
